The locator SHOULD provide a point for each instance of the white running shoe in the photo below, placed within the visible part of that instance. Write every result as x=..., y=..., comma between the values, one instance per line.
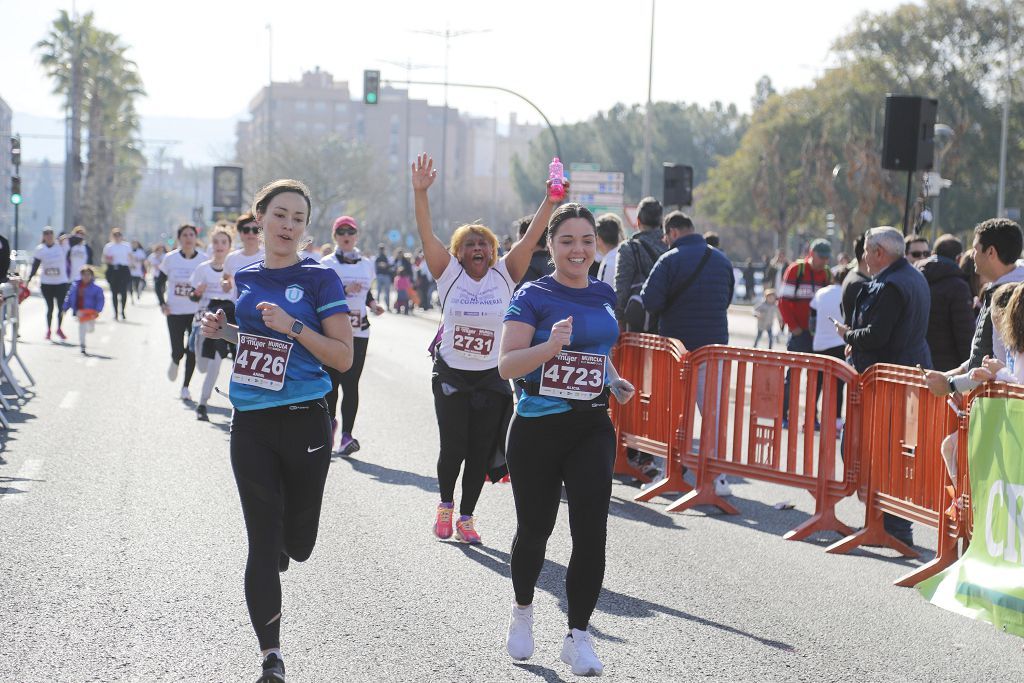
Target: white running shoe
x=172, y=371
x=520, y=633
x=722, y=487
x=578, y=653
x=185, y=396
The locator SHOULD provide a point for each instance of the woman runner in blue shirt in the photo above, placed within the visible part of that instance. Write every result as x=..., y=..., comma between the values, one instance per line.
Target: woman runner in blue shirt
x=292, y=320
x=558, y=332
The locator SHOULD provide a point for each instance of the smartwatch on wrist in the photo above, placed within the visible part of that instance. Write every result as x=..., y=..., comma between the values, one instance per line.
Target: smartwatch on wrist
x=296, y=330
x=952, y=386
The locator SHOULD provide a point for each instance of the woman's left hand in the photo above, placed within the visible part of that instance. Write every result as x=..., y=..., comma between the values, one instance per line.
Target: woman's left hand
x=622, y=390
x=378, y=309
x=275, y=317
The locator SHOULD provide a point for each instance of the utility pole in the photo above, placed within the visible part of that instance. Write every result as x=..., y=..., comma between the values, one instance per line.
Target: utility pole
x=73, y=131
x=645, y=178
x=447, y=34
x=270, y=85
x=1001, y=200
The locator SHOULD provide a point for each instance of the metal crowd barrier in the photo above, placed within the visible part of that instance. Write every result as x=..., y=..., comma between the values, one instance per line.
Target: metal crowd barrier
x=9, y=322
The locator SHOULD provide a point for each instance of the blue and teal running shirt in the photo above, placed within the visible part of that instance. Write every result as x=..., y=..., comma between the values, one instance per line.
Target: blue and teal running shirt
x=309, y=293
x=544, y=302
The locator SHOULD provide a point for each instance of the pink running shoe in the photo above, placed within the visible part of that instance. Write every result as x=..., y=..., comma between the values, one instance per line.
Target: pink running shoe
x=47, y=335
x=60, y=333
x=465, y=532
x=443, y=523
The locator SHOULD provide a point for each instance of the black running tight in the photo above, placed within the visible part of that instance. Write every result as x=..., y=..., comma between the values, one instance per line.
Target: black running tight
x=577, y=449
x=180, y=327
x=469, y=434
x=119, y=278
x=54, y=296
x=280, y=457
x=349, y=383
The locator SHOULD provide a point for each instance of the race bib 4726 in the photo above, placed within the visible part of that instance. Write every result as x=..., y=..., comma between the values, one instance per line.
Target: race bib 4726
x=261, y=361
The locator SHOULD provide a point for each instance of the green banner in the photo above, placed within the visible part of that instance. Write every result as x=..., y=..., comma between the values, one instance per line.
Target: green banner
x=987, y=583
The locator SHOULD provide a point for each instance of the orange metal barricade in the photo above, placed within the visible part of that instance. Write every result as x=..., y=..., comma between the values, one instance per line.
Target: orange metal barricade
x=647, y=423
x=902, y=429
x=742, y=429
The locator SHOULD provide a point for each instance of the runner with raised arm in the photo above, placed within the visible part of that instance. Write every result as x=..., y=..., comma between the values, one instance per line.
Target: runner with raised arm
x=470, y=399
x=558, y=333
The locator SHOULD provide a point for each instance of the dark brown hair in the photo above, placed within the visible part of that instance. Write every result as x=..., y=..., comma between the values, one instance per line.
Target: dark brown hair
x=266, y=193
x=1004, y=235
x=567, y=211
x=244, y=219
x=971, y=271
x=187, y=226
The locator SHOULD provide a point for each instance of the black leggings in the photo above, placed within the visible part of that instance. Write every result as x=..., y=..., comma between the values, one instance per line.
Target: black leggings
x=469, y=433
x=180, y=327
x=54, y=296
x=280, y=457
x=119, y=278
x=349, y=383
x=577, y=448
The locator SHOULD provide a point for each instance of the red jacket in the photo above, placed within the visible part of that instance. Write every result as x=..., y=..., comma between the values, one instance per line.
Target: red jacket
x=799, y=283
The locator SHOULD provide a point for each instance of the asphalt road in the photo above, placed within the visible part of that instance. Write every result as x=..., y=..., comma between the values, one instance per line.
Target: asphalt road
x=123, y=549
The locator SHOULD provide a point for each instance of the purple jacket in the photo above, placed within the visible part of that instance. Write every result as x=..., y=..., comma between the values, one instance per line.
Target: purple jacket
x=93, y=297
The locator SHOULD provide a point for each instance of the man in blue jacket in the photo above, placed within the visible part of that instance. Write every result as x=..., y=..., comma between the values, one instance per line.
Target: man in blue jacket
x=690, y=288
x=697, y=316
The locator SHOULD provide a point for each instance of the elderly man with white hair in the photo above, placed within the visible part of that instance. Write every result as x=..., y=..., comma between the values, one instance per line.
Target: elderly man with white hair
x=890, y=320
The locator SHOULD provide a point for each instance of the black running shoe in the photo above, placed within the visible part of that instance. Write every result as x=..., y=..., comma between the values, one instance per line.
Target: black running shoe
x=273, y=670
x=201, y=413
x=283, y=561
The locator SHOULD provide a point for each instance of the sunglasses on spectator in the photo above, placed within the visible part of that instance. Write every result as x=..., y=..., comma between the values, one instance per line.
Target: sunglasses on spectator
x=345, y=231
x=249, y=229
x=921, y=254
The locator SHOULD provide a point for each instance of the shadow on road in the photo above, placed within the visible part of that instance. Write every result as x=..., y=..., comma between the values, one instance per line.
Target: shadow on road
x=552, y=579
x=539, y=671
x=627, y=509
x=386, y=475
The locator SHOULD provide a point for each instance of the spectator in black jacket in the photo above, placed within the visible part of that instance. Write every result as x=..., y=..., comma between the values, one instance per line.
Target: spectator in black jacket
x=855, y=280
x=951, y=321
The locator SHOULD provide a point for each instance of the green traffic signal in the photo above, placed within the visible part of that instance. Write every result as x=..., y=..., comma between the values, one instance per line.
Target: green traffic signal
x=371, y=98
x=15, y=199
x=15, y=190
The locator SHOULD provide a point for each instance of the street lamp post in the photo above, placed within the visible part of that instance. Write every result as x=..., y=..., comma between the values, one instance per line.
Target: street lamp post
x=645, y=178
x=942, y=131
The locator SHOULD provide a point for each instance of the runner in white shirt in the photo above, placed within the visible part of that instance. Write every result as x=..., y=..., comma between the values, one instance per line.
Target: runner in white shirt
x=471, y=400
x=155, y=258
x=180, y=306
x=137, y=269
x=117, y=254
x=50, y=257
x=251, y=251
x=215, y=288
x=357, y=274
x=80, y=253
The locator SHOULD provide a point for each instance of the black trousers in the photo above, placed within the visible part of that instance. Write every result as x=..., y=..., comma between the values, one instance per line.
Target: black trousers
x=470, y=429
x=576, y=449
x=119, y=278
x=180, y=327
x=280, y=457
x=54, y=296
x=349, y=383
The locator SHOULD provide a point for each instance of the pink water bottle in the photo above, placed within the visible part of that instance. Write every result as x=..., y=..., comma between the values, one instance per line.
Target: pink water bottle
x=555, y=172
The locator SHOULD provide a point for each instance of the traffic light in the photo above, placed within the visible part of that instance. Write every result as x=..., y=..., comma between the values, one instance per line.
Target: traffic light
x=371, y=86
x=15, y=190
x=15, y=151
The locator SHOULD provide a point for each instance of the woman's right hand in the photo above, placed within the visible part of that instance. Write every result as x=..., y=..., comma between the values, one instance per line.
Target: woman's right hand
x=212, y=324
x=423, y=173
x=561, y=334
x=165, y=309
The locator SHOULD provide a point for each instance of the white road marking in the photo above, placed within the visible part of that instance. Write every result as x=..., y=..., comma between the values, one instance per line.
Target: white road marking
x=29, y=470
x=92, y=362
x=70, y=398
x=376, y=370
x=104, y=339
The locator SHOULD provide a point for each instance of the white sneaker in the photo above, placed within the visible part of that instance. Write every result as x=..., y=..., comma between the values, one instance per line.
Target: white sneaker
x=578, y=653
x=172, y=371
x=520, y=633
x=185, y=396
x=722, y=487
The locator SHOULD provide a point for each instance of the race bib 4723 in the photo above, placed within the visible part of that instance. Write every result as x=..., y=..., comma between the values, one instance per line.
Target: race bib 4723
x=574, y=375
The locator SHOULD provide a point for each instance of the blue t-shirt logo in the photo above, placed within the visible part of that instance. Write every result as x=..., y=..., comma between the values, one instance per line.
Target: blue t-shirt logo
x=293, y=293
